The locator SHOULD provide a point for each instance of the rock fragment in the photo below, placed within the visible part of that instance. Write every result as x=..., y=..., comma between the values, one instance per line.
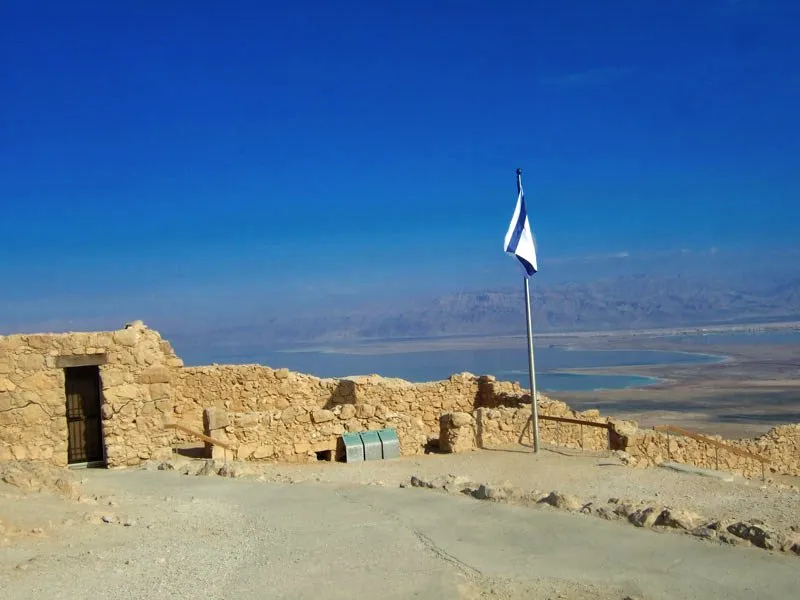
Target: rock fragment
x=562, y=501
x=679, y=519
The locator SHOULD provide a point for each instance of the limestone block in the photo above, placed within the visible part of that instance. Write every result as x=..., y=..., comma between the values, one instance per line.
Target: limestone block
x=322, y=416
x=365, y=411
x=220, y=453
x=215, y=419
x=353, y=426
x=127, y=391
x=289, y=414
x=155, y=374
x=264, y=451
x=31, y=362
x=112, y=376
x=348, y=411
x=244, y=451
x=456, y=433
x=246, y=419
x=126, y=337
x=31, y=415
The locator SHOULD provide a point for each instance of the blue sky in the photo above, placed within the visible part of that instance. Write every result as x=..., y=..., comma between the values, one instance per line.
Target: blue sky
x=190, y=158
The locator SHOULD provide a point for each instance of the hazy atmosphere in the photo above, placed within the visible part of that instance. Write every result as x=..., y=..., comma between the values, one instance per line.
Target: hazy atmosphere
x=206, y=166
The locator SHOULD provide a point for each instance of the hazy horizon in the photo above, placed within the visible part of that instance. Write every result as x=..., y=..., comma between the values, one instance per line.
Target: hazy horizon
x=200, y=166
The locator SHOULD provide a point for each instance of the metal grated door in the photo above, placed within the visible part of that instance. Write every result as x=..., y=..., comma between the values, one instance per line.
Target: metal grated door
x=83, y=414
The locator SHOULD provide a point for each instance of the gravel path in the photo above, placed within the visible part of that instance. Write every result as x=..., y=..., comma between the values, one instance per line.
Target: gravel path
x=175, y=536
x=590, y=477
x=217, y=538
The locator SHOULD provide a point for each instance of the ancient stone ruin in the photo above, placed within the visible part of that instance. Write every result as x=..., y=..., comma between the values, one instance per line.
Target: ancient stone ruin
x=107, y=397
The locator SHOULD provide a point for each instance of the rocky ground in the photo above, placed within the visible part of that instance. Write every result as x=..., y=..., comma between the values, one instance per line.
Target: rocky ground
x=488, y=524
x=590, y=477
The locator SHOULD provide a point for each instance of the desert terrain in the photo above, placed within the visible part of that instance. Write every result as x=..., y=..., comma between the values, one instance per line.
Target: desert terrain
x=754, y=386
x=332, y=530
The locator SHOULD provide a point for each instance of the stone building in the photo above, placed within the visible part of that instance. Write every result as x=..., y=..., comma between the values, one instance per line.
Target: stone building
x=95, y=398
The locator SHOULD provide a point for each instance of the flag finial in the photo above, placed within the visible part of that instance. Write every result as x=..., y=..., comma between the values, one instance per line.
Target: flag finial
x=519, y=171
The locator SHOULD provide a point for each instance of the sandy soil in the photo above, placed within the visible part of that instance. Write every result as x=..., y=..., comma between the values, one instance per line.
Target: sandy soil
x=591, y=477
x=341, y=531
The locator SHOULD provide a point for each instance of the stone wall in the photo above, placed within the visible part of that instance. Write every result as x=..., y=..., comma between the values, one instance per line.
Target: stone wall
x=498, y=427
x=493, y=428
x=502, y=426
x=278, y=414
x=781, y=445
x=136, y=393
x=286, y=416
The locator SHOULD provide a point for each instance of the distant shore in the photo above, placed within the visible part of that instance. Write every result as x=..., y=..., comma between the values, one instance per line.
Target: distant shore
x=746, y=390
x=560, y=339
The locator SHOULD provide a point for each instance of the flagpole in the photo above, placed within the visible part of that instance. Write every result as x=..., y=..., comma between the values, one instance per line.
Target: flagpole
x=531, y=368
x=534, y=403
x=520, y=243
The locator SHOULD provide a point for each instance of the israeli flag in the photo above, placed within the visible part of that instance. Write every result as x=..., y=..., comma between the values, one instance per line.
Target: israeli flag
x=519, y=239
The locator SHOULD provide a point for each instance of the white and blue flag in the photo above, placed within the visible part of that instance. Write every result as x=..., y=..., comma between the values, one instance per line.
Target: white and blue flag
x=519, y=240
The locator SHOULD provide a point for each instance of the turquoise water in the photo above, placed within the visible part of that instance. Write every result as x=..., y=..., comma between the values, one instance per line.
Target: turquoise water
x=505, y=364
x=579, y=382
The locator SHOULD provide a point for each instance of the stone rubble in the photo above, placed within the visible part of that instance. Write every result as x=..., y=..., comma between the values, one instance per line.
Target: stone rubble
x=742, y=533
x=34, y=476
x=562, y=501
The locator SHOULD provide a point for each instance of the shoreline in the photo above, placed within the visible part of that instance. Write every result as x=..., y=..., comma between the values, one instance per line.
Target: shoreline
x=510, y=341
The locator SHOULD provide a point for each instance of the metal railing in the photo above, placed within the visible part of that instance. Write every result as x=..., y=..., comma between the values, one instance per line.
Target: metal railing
x=711, y=442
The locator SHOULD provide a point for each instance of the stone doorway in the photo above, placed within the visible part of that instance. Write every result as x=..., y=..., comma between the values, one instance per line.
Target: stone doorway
x=84, y=425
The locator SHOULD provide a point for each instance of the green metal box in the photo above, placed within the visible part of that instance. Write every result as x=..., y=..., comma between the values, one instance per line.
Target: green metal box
x=372, y=445
x=353, y=447
x=390, y=445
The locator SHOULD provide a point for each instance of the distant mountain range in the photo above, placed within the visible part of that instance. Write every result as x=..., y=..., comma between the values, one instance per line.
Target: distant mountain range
x=630, y=302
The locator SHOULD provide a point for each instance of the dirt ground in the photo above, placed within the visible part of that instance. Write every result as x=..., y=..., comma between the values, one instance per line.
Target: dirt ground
x=332, y=530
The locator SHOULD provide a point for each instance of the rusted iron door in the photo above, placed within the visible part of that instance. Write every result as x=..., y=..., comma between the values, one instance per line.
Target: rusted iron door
x=83, y=414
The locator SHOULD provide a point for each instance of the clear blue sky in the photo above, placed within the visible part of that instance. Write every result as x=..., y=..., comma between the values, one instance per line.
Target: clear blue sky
x=251, y=155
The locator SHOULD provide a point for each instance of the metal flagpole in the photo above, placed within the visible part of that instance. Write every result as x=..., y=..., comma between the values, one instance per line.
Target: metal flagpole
x=534, y=403
x=531, y=368
x=519, y=242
